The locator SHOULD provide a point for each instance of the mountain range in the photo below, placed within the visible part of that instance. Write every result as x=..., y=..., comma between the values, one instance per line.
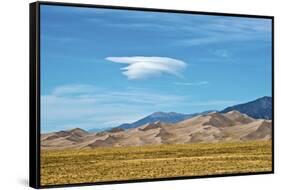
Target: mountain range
x=259, y=109
x=177, y=128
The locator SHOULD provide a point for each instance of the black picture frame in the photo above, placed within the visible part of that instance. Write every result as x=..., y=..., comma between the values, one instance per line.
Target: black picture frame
x=34, y=91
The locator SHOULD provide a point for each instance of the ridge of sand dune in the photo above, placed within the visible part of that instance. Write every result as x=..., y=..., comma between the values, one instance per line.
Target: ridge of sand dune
x=219, y=120
x=239, y=117
x=262, y=132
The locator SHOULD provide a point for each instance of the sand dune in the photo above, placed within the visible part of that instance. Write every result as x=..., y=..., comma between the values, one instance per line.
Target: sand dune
x=213, y=127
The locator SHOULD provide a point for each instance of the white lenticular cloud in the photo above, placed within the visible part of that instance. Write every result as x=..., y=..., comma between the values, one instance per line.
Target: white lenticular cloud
x=140, y=67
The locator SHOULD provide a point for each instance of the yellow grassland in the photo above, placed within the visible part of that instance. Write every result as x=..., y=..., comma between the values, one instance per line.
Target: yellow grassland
x=153, y=161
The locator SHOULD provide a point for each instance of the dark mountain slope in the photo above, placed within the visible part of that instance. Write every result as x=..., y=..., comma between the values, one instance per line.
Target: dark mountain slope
x=259, y=109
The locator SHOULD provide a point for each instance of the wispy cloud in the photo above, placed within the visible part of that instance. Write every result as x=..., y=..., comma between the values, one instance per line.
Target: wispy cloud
x=179, y=30
x=87, y=106
x=140, y=67
x=221, y=30
x=73, y=89
x=192, y=83
x=196, y=30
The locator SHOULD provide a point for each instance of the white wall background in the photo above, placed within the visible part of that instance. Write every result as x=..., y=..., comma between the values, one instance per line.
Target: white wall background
x=14, y=93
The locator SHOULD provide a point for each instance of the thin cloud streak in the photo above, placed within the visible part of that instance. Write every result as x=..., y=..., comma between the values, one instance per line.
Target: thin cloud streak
x=192, y=83
x=73, y=89
x=214, y=103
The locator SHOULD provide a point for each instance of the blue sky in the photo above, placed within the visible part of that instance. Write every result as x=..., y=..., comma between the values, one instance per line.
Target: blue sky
x=101, y=67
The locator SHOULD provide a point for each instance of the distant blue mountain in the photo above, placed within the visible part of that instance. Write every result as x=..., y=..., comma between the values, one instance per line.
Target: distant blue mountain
x=259, y=109
x=170, y=117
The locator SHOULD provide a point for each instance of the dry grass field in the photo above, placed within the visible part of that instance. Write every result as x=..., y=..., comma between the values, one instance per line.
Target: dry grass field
x=153, y=161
